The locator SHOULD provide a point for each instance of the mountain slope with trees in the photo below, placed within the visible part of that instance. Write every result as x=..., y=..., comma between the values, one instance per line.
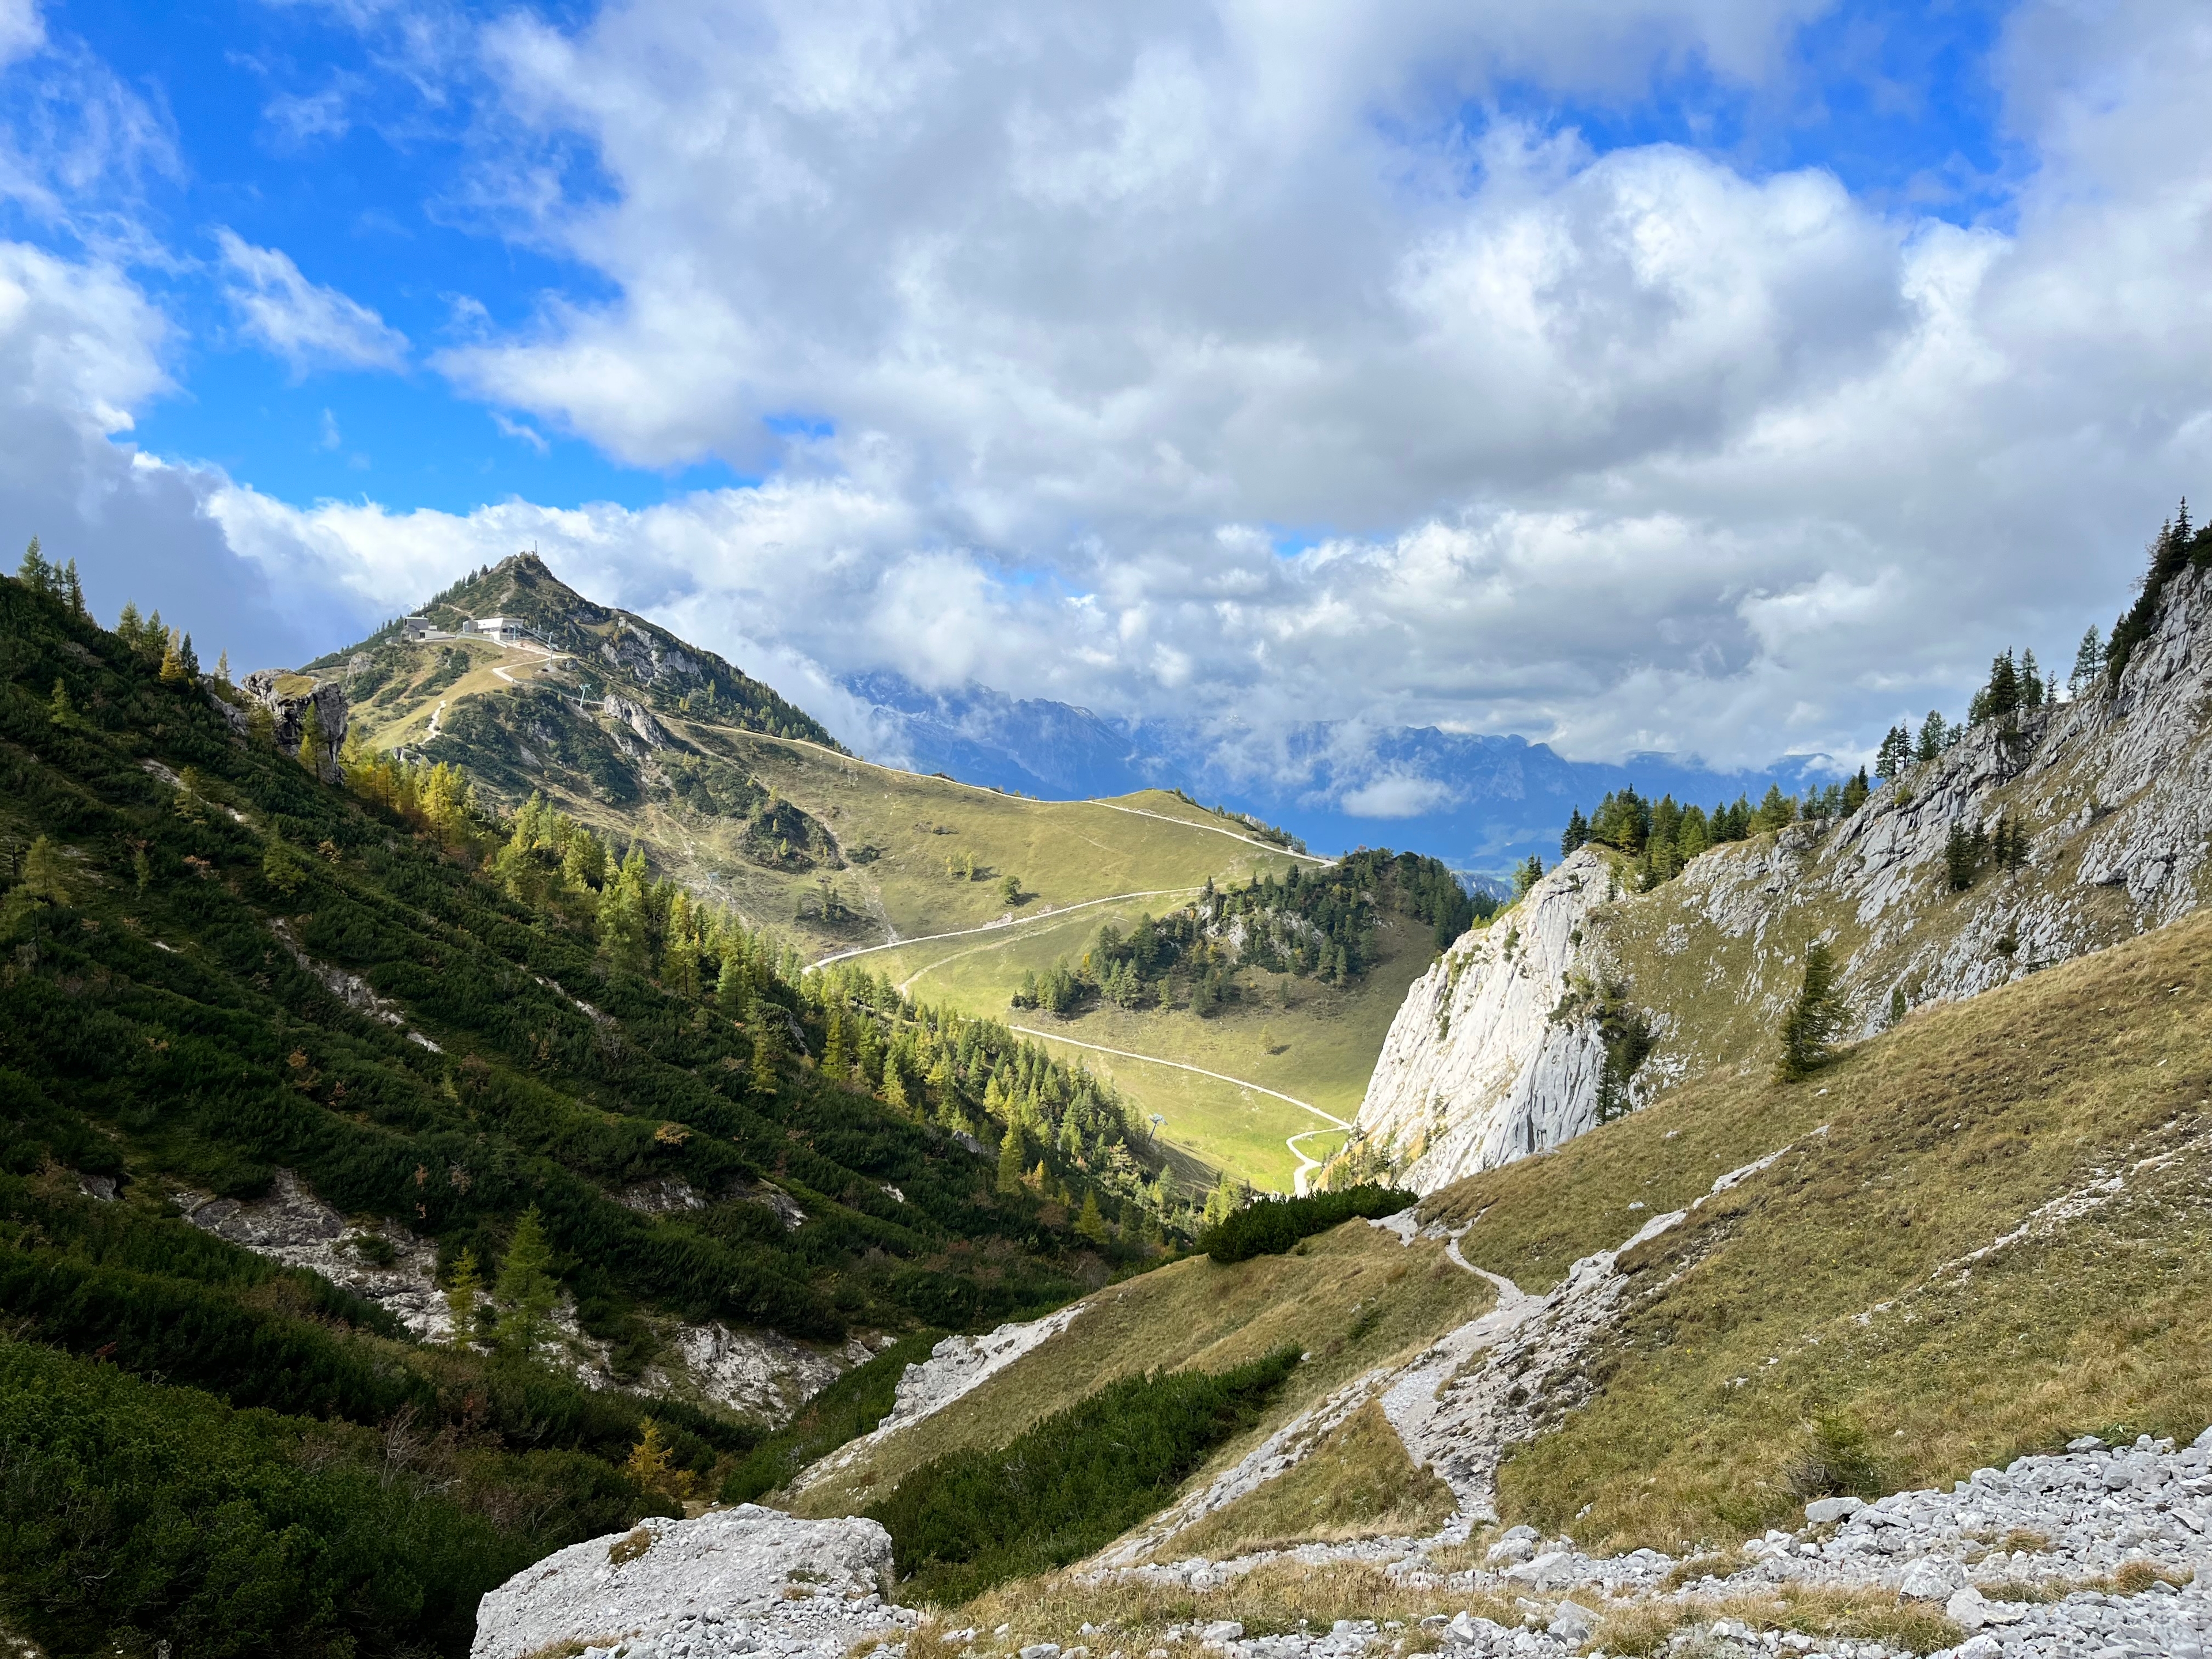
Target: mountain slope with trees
x=231, y=958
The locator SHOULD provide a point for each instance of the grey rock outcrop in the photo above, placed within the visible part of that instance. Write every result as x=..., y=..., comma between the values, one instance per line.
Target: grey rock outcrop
x=384, y=1262
x=1490, y=1059
x=745, y=1580
x=287, y=708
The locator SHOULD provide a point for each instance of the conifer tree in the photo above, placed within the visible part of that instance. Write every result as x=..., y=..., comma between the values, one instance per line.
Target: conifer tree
x=2030, y=681
x=768, y=1046
x=73, y=591
x=173, y=661
x=222, y=667
x=45, y=876
x=462, y=1286
x=1935, y=737
x=313, y=748
x=1856, y=792
x=1576, y=833
x=60, y=711
x=2088, y=665
x=34, y=573
x=1091, y=1223
x=128, y=627
x=261, y=726
x=1010, y=1160
x=526, y=1289
x=1812, y=1020
x=1960, y=860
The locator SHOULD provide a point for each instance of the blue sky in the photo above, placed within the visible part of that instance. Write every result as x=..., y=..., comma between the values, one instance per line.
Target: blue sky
x=1719, y=378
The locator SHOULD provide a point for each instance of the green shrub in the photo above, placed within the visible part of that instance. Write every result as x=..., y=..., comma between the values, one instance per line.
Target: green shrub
x=131, y=1513
x=1271, y=1225
x=972, y=1519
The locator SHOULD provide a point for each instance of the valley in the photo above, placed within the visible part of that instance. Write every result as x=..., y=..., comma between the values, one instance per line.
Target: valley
x=631, y=733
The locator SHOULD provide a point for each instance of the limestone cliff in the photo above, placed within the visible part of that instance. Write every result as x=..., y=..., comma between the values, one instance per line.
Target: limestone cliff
x=1501, y=1049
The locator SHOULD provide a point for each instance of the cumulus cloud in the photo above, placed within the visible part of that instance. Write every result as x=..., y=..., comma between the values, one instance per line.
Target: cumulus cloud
x=81, y=348
x=306, y=324
x=1249, y=364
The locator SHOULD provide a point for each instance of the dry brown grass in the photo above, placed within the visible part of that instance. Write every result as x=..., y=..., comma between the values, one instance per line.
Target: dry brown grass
x=1271, y=1599
x=1194, y=1313
x=629, y=1547
x=1357, y=1483
x=1813, y=1291
x=1645, y=1627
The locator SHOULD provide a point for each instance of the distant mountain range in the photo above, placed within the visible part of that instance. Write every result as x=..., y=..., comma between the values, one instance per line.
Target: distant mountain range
x=1480, y=804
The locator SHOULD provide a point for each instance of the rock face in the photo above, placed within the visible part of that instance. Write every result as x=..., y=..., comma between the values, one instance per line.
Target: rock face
x=1475, y=1071
x=288, y=708
x=1497, y=1053
x=292, y=1225
x=746, y=1580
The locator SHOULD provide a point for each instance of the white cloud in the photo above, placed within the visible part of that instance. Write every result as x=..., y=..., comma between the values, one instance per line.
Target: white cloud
x=22, y=30
x=305, y=323
x=1397, y=795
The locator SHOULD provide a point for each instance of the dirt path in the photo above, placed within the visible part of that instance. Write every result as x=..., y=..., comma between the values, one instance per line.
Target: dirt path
x=1211, y=830
x=1003, y=924
x=1305, y=1163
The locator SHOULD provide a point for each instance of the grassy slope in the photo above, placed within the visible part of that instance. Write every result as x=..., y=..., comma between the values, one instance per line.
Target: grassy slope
x=1319, y=1047
x=897, y=830
x=1196, y=1313
x=1835, y=1283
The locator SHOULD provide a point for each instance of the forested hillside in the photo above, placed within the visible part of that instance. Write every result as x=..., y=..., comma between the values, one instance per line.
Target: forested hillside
x=223, y=960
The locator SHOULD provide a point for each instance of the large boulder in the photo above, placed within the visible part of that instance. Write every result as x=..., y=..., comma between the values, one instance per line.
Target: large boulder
x=746, y=1579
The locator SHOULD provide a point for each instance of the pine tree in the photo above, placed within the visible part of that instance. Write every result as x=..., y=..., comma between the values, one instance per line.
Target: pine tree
x=1776, y=811
x=173, y=661
x=261, y=726
x=1812, y=1020
x=2030, y=681
x=60, y=711
x=526, y=1289
x=128, y=627
x=223, y=669
x=734, y=986
x=462, y=1286
x=652, y=1463
x=73, y=591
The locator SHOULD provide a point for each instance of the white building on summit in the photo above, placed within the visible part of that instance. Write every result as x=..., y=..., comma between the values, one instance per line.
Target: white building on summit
x=501, y=630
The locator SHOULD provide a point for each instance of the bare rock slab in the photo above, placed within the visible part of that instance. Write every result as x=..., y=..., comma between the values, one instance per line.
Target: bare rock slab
x=744, y=1580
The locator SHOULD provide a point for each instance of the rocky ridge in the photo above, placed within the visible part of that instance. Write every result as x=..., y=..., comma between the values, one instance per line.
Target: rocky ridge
x=1497, y=1053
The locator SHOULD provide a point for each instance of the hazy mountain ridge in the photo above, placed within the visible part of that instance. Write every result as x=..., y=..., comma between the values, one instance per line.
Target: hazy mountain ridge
x=1480, y=803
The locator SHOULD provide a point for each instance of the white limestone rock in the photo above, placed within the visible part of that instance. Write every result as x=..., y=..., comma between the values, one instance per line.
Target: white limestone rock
x=748, y=1575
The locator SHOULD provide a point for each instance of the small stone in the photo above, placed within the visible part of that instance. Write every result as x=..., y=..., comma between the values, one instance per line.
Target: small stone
x=1572, y=1623
x=1979, y=1647
x=1931, y=1579
x=2082, y=1443
x=1042, y=1650
x=1966, y=1608
x=1825, y=1511
x=1221, y=1630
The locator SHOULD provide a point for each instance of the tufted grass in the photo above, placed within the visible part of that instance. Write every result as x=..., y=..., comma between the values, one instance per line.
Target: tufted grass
x=1813, y=1291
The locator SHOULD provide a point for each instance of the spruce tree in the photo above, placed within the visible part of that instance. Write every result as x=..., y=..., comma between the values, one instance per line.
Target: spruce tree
x=1959, y=861
x=1812, y=1020
x=2088, y=665
x=1935, y=737
x=1856, y=792
x=173, y=661
x=73, y=591
x=59, y=709
x=1091, y=1223
x=2030, y=681
x=1576, y=833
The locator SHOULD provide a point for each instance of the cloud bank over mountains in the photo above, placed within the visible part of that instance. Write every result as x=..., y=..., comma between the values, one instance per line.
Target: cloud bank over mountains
x=1402, y=365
